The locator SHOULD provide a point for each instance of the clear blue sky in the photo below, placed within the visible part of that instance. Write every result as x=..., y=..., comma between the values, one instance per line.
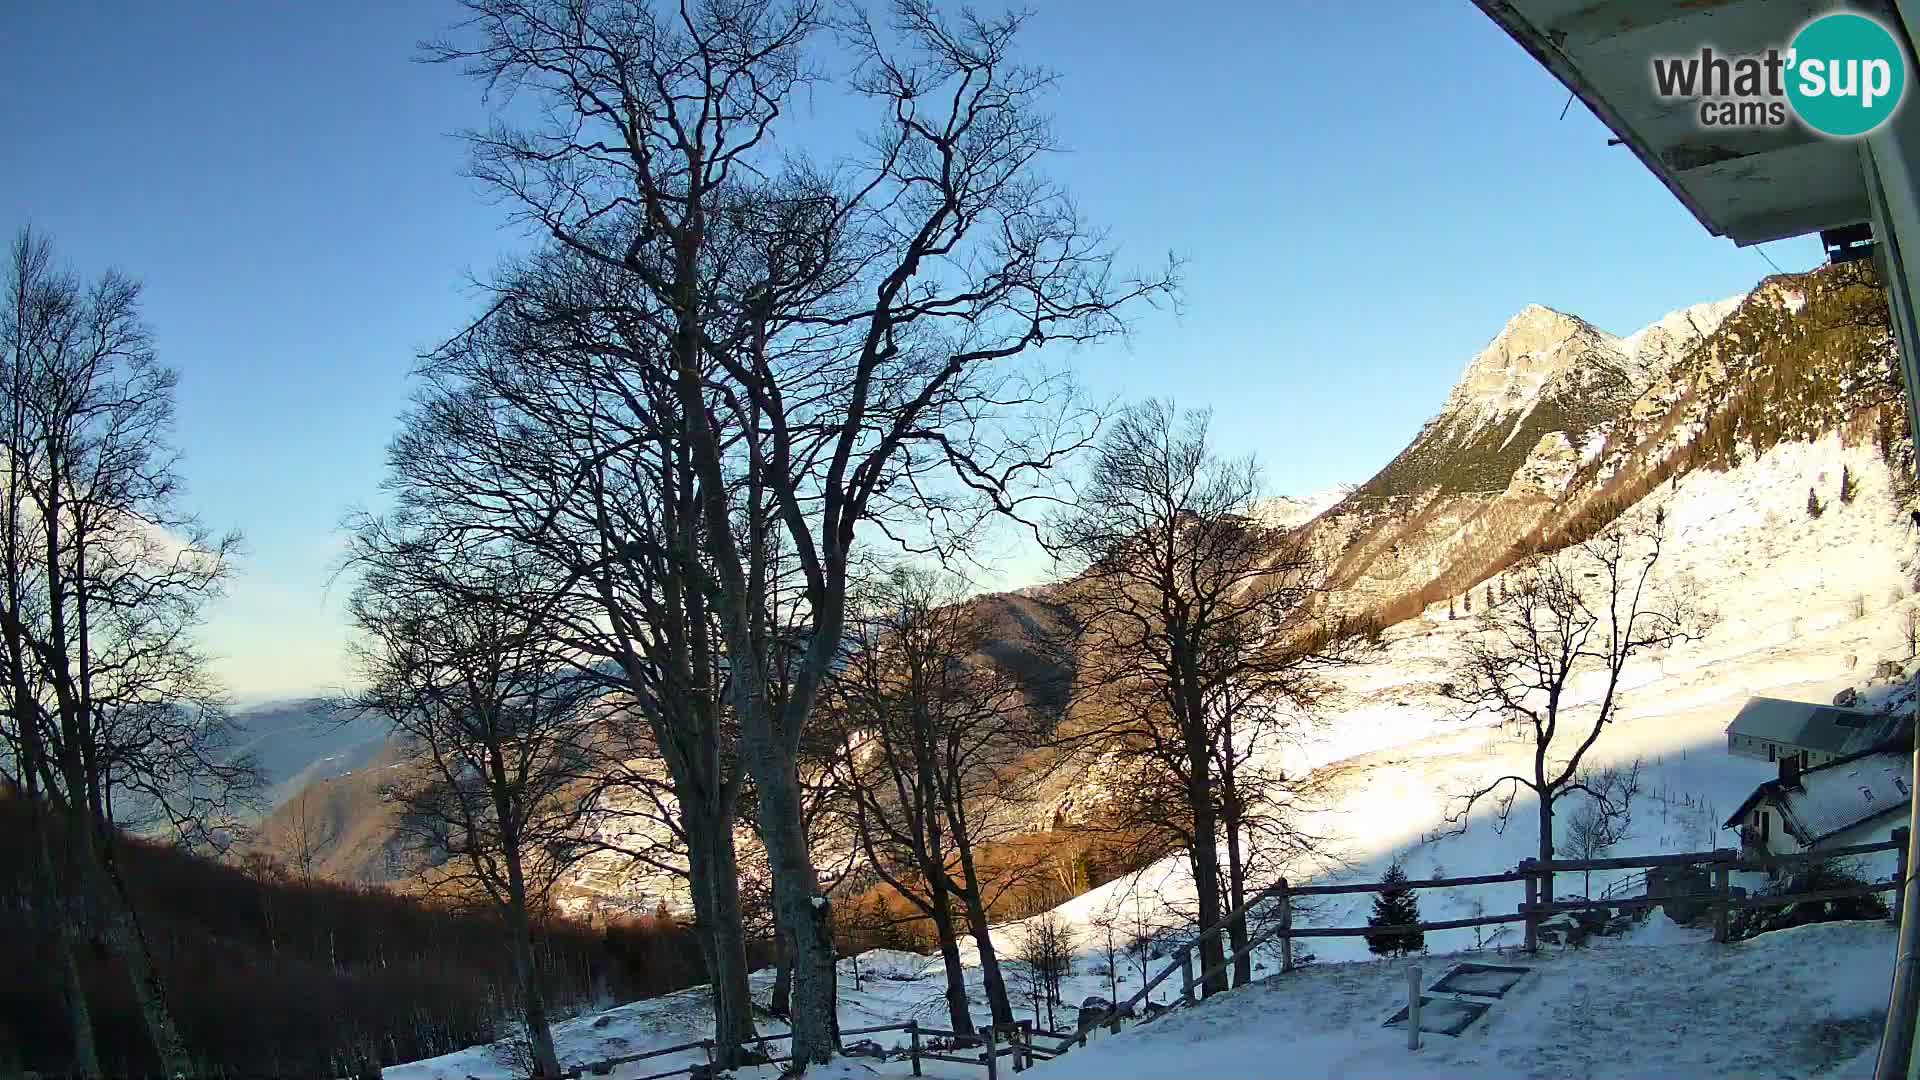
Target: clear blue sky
x=1363, y=195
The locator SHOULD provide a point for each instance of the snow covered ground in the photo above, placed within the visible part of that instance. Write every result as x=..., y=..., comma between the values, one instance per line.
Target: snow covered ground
x=1661, y=1002
x=1805, y=607
x=1796, y=1003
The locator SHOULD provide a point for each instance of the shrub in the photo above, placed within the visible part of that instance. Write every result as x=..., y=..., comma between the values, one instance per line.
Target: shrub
x=1831, y=874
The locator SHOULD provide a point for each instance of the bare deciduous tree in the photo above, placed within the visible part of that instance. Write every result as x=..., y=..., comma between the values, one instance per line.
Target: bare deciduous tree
x=111, y=715
x=836, y=341
x=1200, y=640
x=1045, y=953
x=466, y=670
x=308, y=832
x=1575, y=620
x=1603, y=819
x=940, y=750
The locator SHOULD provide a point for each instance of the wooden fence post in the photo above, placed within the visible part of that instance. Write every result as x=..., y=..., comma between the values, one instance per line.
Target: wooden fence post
x=1722, y=893
x=1900, y=871
x=1527, y=908
x=993, y=1052
x=1413, y=1006
x=1286, y=926
x=1186, y=974
x=1026, y=1041
x=913, y=1037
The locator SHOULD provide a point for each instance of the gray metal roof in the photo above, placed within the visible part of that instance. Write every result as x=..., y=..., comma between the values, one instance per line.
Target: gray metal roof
x=1751, y=185
x=1826, y=728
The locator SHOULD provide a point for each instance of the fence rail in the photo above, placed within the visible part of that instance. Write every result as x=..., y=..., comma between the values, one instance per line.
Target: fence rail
x=1015, y=1041
x=1532, y=910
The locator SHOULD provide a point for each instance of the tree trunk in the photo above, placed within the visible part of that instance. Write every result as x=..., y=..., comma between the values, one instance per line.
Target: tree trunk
x=65, y=913
x=798, y=906
x=1203, y=858
x=994, y=982
x=124, y=937
x=1546, y=847
x=782, y=1004
x=959, y=1011
x=715, y=886
x=1237, y=895
x=533, y=1001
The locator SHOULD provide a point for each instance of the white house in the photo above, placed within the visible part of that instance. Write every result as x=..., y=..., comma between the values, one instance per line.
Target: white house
x=1858, y=799
x=1769, y=729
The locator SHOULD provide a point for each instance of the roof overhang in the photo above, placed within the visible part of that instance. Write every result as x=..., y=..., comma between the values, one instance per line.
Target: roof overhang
x=1751, y=185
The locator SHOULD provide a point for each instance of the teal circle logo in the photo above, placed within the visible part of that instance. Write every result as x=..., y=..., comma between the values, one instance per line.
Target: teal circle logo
x=1846, y=74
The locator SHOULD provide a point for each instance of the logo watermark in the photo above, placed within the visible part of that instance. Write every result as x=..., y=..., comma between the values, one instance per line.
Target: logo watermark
x=1842, y=75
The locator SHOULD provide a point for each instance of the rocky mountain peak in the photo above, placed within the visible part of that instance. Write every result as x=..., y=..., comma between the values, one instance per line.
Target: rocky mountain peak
x=1660, y=344
x=1293, y=511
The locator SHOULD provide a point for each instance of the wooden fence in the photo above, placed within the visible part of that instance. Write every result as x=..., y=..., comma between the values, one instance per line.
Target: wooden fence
x=1531, y=910
x=1016, y=1041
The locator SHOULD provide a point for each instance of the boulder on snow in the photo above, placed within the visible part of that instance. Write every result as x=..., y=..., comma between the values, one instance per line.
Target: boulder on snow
x=1846, y=698
x=864, y=1048
x=1562, y=929
x=1094, y=1012
x=1889, y=669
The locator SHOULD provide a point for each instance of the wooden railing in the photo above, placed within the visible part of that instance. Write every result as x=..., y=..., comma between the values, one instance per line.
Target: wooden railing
x=1016, y=1040
x=1531, y=910
x=1012, y=1040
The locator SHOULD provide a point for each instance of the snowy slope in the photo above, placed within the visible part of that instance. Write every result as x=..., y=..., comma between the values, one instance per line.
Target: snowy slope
x=1795, y=1003
x=1662, y=1002
x=1785, y=590
x=1292, y=511
x=1804, y=608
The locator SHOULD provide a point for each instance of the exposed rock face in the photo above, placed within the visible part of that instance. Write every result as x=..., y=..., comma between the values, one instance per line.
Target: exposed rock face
x=1293, y=511
x=1556, y=419
x=1546, y=372
x=1548, y=469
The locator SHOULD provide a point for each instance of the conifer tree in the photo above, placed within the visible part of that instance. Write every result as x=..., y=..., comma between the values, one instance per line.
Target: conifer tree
x=1814, y=508
x=1848, y=485
x=1395, y=905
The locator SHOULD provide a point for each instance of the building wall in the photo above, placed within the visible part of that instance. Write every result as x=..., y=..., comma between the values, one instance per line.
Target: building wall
x=1749, y=746
x=1778, y=840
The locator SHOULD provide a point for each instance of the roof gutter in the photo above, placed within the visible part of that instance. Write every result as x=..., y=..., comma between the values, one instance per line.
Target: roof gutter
x=1550, y=57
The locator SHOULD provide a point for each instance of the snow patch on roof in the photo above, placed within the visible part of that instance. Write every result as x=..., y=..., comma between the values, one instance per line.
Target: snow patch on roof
x=1833, y=797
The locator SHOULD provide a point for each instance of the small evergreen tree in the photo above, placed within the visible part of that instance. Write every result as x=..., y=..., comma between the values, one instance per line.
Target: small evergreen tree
x=1450, y=614
x=1395, y=905
x=1848, y=485
x=1814, y=508
x=1489, y=597
x=1466, y=602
